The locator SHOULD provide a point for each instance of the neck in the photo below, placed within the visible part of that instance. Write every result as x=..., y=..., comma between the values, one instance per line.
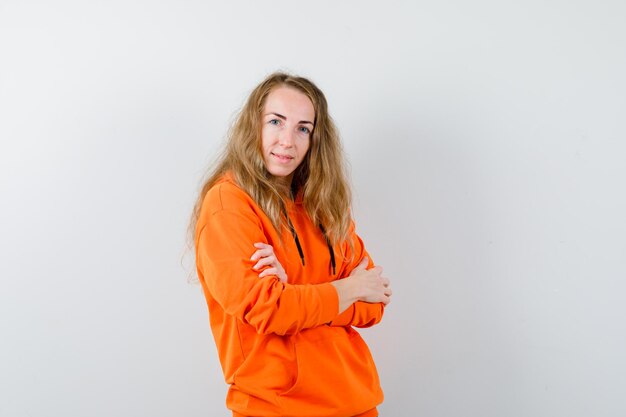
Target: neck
x=283, y=184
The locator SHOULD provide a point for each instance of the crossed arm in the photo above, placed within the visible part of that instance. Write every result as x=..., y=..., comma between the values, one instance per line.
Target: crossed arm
x=272, y=305
x=363, y=286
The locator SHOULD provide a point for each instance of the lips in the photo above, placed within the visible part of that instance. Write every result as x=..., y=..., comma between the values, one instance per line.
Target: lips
x=282, y=157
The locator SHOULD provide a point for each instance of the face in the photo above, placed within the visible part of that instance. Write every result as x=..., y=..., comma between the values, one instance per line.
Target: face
x=287, y=124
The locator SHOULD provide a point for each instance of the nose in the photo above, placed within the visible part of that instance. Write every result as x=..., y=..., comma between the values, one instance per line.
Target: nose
x=286, y=138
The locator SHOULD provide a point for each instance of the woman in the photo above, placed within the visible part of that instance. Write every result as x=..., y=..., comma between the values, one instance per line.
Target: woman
x=284, y=274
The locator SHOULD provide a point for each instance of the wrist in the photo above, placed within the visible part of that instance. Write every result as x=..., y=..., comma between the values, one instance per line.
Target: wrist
x=346, y=293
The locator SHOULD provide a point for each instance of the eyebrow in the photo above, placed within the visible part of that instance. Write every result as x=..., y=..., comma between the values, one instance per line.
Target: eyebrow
x=284, y=118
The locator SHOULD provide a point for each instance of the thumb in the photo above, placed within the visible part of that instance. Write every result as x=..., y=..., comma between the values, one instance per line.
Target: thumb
x=363, y=264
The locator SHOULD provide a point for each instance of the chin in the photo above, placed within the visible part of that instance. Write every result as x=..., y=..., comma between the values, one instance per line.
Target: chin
x=278, y=172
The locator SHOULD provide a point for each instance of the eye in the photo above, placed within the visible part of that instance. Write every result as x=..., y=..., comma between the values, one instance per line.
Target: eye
x=275, y=122
x=304, y=129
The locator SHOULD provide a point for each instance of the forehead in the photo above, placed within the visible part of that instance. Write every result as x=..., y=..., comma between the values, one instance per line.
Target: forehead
x=290, y=103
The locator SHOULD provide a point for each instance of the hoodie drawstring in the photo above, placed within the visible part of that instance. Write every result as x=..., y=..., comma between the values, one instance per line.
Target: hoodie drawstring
x=295, y=237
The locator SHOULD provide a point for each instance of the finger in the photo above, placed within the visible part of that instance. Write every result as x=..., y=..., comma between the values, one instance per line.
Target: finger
x=363, y=264
x=262, y=263
x=262, y=253
x=374, y=274
x=377, y=269
x=267, y=261
x=265, y=251
x=386, y=282
x=261, y=245
x=268, y=271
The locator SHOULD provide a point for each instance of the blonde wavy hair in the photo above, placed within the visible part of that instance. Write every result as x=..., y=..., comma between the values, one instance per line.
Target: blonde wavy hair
x=321, y=177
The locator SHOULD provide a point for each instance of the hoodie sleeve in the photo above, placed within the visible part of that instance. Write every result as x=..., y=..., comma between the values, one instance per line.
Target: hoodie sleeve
x=359, y=314
x=270, y=306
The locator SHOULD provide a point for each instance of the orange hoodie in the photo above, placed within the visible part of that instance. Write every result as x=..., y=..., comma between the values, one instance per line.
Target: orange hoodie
x=283, y=347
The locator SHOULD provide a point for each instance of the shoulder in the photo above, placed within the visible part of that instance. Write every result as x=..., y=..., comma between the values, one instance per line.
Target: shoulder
x=226, y=195
x=225, y=203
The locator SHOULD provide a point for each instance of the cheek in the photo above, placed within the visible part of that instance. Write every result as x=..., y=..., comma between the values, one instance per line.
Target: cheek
x=306, y=145
x=265, y=139
x=304, y=149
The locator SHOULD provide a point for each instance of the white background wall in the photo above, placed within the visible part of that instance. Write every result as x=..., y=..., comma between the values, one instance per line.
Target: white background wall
x=486, y=140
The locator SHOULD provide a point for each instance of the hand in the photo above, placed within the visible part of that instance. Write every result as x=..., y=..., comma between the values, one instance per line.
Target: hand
x=363, y=285
x=374, y=288
x=266, y=257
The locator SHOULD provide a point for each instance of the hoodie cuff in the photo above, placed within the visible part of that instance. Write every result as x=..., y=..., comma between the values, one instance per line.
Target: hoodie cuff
x=330, y=302
x=344, y=318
